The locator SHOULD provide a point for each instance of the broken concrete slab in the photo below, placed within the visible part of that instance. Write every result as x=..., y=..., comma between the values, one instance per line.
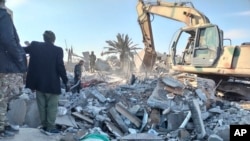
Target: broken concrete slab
x=67, y=120
x=112, y=128
x=214, y=137
x=158, y=98
x=201, y=95
x=134, y=109
x=184, y=135
x=17, y=112
x=206, y=85
x=83, y=117
x=122, y=110
x=216, y=110
x=98, y=95
x=175, y=120
x=32, y=118
x=172, y=82
x=117, y=118
x=223, y=132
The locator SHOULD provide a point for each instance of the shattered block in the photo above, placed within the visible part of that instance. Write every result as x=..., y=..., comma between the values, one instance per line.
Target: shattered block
x=158, y=98
x=17, y=112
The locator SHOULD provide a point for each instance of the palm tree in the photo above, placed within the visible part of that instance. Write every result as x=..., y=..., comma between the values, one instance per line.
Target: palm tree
x=123, y=46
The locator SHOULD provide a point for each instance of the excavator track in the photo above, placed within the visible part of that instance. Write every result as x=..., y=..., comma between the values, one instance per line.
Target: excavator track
x=235, y=90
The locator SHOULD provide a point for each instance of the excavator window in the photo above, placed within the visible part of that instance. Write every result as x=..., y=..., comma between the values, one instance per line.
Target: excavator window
x=207, y=46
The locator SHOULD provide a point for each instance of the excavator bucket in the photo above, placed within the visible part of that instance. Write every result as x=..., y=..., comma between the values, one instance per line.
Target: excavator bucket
x=145, y=59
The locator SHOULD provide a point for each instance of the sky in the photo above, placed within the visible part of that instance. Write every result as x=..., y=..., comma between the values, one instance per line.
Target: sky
x=87, y=24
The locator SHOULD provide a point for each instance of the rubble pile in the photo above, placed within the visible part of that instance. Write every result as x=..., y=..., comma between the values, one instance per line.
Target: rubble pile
x=179, y=107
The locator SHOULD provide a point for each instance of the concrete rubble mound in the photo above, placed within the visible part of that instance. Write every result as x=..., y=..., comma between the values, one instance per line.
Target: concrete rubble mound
x=177, y=107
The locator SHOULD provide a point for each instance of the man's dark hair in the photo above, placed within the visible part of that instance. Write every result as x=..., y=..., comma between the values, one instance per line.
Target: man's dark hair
x=49, y=36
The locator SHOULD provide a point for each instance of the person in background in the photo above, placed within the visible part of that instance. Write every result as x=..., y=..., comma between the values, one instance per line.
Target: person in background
x=13, y=64
x=78, y=75
x=45, y=69
x=92, y=59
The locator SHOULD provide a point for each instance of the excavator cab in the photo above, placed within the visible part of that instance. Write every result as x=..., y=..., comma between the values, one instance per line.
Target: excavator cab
x=202, y=48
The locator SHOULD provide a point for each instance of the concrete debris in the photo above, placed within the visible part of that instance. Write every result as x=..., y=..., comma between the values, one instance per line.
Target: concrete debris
x=175, y=120
x=112, y=128
x=123, y=111
x=214, y=137
x=158, y=99
x=118, y=120
x=32, y=118
x=61, y=111
x=98, y=95
x=83, y=117
x=144, y=120
x=167, y=107
x=16, y=114
x=170, y=81
x=183, y=135
x=66, y=120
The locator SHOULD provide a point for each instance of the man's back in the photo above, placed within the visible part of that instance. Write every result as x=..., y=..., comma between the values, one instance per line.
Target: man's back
x=45, y=68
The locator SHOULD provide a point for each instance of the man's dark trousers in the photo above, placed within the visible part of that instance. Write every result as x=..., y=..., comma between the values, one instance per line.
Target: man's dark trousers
x=47, y=103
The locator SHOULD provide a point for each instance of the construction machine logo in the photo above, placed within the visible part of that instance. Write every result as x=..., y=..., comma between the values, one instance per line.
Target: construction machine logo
x=239, y=132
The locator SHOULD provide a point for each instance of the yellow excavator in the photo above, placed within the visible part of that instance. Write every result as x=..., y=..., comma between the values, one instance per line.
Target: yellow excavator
x=201, y=45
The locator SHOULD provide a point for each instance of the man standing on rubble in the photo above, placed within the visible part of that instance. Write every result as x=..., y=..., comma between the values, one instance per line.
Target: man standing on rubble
x=46, y=67
x=78, y=75
x=12, y=66
x=92, y=59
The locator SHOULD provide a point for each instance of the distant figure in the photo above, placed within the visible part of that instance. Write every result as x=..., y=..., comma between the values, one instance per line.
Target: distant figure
x=13, y=64
x=92, y=59
x=78, y=75
x=46, y=67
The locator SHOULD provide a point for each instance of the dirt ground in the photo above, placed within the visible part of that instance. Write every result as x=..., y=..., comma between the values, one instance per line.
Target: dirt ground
x=32, y=134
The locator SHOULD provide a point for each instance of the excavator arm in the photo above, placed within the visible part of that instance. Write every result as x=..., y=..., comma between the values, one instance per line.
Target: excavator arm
x=182, y=12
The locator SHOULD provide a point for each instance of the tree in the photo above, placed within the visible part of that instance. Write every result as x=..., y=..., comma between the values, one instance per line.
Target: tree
x=123, y=46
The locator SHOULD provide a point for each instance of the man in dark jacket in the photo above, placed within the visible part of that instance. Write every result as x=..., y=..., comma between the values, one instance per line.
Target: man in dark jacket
x=12, y=65
x=46, y=67
x=78, y=75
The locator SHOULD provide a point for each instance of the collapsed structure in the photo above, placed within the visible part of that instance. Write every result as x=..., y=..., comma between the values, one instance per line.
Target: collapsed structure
x=169, y=107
